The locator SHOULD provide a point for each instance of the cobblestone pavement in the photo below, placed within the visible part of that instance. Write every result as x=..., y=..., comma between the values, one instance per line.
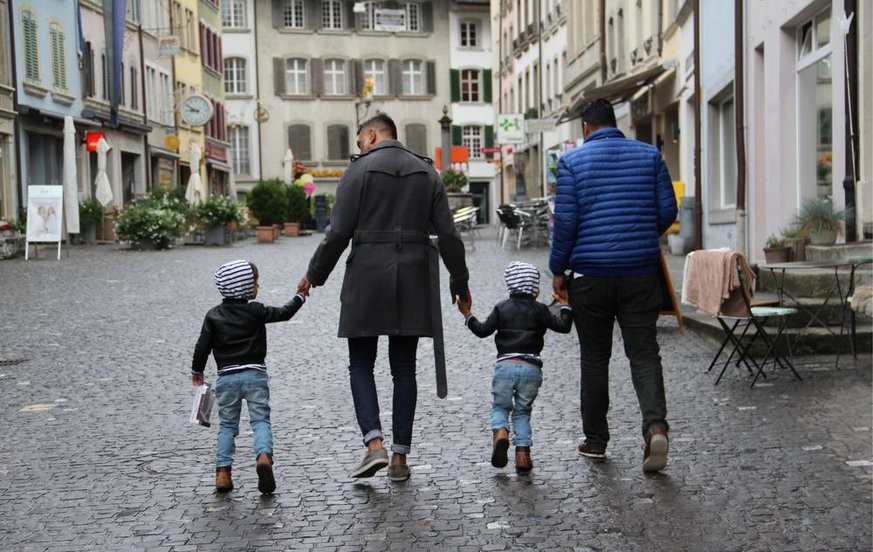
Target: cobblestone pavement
x=98, y=453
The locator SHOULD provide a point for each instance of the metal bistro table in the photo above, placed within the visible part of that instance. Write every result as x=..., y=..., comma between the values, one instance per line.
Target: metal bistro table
x=814, y=315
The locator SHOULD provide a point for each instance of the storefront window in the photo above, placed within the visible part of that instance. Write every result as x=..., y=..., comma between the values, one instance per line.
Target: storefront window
x=815, y=108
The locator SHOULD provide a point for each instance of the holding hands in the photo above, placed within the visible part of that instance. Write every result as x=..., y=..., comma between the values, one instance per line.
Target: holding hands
x=465, y=303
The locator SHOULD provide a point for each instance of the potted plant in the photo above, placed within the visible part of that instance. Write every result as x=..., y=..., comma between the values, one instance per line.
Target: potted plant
x=215, y=213
x=818, y=221
x=455, y=181
x=776, y=250
x=268, y=201
x=797, y=241
x=151, y=223
x=297, y=209
x=90, y=215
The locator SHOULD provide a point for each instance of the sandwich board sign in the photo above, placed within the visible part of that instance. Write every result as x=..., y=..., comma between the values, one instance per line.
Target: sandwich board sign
x=45, y=206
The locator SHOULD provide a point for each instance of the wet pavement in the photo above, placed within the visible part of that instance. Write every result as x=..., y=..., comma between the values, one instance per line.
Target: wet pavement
x=98, y=452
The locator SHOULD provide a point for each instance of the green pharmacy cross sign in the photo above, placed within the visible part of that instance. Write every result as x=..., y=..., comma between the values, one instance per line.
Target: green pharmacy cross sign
x=510, y=128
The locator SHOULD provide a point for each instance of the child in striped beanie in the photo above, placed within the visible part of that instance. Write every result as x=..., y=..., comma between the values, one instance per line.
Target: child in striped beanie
x=235, y=333
x=520, y=322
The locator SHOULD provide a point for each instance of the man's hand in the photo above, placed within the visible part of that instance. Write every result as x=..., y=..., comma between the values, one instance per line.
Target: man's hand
x=465, y=304
x=303, y=286
x=562, y=297
x=559, y=285
x=197, y=379
x=466, y=296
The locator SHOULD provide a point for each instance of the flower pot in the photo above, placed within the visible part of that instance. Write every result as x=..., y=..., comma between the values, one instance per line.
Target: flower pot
x=292, y=228
x=214, y=235
x=150, y=245
x=89, y=233
x=275, y=232
x=777, y=254
x=823, y=237
x=266, y=234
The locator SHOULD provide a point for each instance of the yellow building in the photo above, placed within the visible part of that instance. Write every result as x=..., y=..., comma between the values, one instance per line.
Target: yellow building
x=188, y=82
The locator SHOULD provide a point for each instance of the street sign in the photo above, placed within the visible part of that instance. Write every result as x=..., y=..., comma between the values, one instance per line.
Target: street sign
x=535, y=126
x=510, y=128
x=490, y=149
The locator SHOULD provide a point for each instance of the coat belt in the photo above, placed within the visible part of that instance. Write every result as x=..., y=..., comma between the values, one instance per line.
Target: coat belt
x=397, y=236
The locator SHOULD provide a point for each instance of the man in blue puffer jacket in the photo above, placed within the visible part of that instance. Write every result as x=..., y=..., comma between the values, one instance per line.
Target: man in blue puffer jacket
x=614, y=199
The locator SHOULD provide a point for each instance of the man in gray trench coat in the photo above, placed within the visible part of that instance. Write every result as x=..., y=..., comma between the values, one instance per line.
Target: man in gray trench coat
x=388, y=203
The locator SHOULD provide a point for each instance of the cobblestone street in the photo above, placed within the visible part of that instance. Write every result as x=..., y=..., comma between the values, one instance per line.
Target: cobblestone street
x=98, y=452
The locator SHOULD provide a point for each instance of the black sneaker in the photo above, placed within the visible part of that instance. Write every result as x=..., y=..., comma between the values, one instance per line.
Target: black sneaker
x=592, y=451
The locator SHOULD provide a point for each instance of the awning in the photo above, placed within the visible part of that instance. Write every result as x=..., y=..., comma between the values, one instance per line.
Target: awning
x=218, y=165
x=617, y=89
x=155, y=151
x=37, y=112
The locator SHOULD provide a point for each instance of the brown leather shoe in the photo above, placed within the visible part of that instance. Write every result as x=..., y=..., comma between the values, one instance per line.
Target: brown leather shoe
x=523, y=463
x=657, y=444
x=499, y=446
x=264, y=467
x=223, y=479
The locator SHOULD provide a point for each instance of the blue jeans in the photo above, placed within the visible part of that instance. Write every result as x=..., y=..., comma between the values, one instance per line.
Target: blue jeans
x=401, y=357
x=230, y=390
x=513, y=389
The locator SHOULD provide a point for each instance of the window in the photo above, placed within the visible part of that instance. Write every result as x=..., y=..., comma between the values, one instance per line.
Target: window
x=235, y=76
x=815, y=125
x=233, y=14
x=416, y=138
x=471, y=137
x=31, y=51
x=239, y=150
x=189, y=41
x=470, y=85
x=723, y=151
x=469, y=34
x=376, y=68
x=337, y=142
x=300, y=142
x=292, y=14
x=331, y=14
x=296, y=76
x=334, y=77
x=59, y=65
x=158, y=95
x=413, y=16
x=413, y=77
x=134, y=89
x=155, y=18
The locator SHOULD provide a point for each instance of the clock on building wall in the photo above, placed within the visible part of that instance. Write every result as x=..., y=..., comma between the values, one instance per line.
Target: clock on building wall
x=196, y=110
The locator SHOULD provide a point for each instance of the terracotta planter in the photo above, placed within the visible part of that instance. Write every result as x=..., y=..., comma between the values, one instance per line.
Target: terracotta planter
x=777, y=254
x=292, y=228
x=275, y=232
x=266, y=234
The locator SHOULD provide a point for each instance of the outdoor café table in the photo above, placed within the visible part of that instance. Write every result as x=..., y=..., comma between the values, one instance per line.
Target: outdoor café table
x=815, y=312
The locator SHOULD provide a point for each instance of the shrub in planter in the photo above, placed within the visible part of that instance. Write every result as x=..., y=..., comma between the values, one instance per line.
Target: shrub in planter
x=297, y=210
x=454, y=181
x=776, y=250
x=268, y=201
x=817, y=220
x=218, y=211
x=90, y=212
x=150, y=220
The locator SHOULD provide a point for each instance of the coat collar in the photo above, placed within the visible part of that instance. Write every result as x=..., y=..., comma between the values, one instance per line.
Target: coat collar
x=604, y=133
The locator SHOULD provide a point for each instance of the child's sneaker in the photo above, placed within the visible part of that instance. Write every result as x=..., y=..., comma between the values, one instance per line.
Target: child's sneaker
x=523, y=463
x=223, y=479
x=264, y=467
x=499, y=446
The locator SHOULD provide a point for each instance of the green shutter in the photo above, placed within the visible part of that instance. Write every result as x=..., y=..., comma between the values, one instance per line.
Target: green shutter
x=456, y=136
x=486, y=86
x=489, y=135
x=456, y=85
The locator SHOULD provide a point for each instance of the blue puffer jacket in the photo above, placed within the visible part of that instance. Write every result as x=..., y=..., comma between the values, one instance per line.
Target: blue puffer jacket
x=614, y=199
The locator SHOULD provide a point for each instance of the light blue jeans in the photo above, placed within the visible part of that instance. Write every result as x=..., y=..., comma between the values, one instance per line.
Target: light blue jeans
x=230, y=390
x=513, y=389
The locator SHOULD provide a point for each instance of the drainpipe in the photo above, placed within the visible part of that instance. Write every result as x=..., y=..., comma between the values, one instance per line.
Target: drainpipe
x=540, y=72
x=740, y=115
x=258, y=94
x=698, y=110
x=17, y=126
x=603, y=41
x=500, y=90
x=852, y=150
x=145, y=118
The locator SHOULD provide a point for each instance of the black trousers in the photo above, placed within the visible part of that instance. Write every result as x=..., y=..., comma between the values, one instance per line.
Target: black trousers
x=635, y=301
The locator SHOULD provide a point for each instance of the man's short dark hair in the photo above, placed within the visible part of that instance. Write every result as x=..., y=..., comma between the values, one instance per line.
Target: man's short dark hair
x=379, y=122
x=598, y=113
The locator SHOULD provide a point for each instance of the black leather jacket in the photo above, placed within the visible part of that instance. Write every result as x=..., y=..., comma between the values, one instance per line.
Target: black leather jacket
x=235, y=332
x=521, y=322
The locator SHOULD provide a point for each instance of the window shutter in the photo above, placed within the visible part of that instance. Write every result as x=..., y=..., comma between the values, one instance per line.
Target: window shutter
x=31, y=55
x=104, y=71
x=344, y=142
x=395, y=77
x=486, y=85
x=88, y=71
x=489, y=135
x=456, y=85
x=431, y=78
x=349, y=16
x=316, y=72
x=457, y=139
x=312, y=13
x=278, y=13
x=299, y=141
x=279, y=76
x=337, y=142
x=357, y=76
x=416, y=138
x=427, y=17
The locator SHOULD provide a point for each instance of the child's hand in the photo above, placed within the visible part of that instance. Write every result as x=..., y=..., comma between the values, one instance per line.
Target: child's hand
x=465, y=304
x=197, y=379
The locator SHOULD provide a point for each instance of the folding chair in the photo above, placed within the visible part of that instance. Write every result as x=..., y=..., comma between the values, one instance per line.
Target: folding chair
x=736, y=314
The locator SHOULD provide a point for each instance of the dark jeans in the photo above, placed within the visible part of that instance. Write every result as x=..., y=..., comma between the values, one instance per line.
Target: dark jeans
x=401, y=357
x=635, y=301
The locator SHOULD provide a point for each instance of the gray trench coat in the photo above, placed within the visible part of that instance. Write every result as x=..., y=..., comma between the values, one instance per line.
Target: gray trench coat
x=388, y=202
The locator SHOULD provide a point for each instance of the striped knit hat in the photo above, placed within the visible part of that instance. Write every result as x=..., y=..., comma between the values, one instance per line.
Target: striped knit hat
x=235, y=279
x=522, y=278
